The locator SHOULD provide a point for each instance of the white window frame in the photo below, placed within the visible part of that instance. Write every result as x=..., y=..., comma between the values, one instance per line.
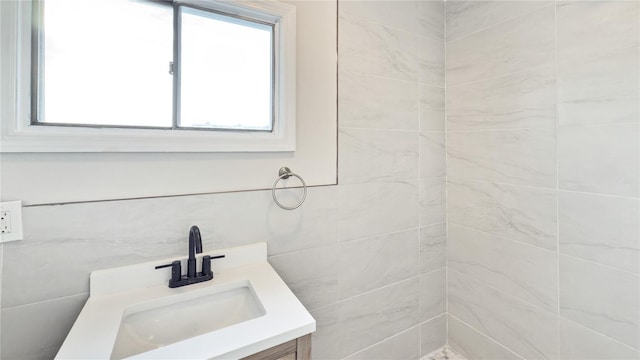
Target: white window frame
x=17, y=134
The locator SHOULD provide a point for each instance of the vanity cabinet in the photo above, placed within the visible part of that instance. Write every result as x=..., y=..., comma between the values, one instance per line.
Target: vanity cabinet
x=296, y=349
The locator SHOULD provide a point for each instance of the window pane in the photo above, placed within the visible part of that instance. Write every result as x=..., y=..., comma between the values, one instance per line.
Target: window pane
x=226, y=72
x=106, y=62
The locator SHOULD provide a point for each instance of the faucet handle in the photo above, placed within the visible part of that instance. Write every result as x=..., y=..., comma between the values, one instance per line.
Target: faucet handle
x=206, y=263
x=176, y=270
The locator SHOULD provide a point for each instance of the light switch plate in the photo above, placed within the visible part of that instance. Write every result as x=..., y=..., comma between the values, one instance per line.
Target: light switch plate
x=10, y=221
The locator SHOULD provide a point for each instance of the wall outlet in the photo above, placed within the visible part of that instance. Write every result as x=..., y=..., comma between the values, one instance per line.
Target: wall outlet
x=10, y=221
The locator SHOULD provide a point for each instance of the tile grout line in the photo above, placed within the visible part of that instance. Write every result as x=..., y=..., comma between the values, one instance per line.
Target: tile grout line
x=486, y=286
x=496, y=77
x=557, y=153
x=542, y=128
x=369, y=20
x=550, y=251
x=446, y=179
x=486, y=336
x=460, y=180
x=382, y=77
x=419, y=212
x=617, y=342
x=498, y=24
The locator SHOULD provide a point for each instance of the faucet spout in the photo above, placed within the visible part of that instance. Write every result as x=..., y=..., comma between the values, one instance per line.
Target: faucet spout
x=195, y=247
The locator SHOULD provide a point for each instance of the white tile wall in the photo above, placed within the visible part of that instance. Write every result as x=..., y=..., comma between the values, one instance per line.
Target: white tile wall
x=600, y=228
x=403, y=346
x=522, y=327
x=543, y=179
x=472, y=344
x=352, y=253
x=603, y=299
x=541, y=151
x=521, y=213
x=524, y=271
x=580, y=343
x=513, y=46
x=374, y=316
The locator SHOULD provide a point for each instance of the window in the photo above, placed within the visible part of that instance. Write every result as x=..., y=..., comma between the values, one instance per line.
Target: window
x=158, y=75
x=207, y=70
x=37, y=167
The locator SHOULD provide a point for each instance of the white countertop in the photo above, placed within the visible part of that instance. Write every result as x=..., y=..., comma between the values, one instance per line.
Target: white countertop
x=114, y=290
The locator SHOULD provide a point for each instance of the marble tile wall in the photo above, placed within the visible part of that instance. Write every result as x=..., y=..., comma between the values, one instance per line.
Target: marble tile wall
x=535, y=172
x=543, y=175
x=391, y=210
x=367, y=257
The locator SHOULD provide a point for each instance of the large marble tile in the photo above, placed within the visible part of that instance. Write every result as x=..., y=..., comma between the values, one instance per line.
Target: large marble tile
x=432, y=108
x=599, y=90
x=36, y=331
x=433, y=335
x=510, y=47
x=368, y=264
x=474, y=345
x=518, y=213
x=374, y=155
x=522, y=271
x=598, y=62
x=366, y=47
x=604, y=229
x=252, y=216
x=522, y=100
x=580, y=343
x=324, y=341
x=377, y=103
x=371, y=209
x=433, y=196
x=433, y=247
x=598, y=110
x=467, y=17
x=431, y=61
x=433, y=294
x=311, y=274
x=70, y=241
x=601, y=298
x=596, y=28
x=600, y=159
x=403, y=346
x=432, y=154
x=418, y=17
x=519, y=157
x=523, y=328
x=377, y=315
x=432, y=18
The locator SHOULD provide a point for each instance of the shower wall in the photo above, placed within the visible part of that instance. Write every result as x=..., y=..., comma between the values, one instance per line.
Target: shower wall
x=543, y=179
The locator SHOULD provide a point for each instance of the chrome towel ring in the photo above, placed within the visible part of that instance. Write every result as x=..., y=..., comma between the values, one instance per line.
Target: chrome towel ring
x=285, y=173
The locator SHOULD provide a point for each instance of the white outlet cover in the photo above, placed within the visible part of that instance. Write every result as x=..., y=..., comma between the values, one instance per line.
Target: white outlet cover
x=15, y=208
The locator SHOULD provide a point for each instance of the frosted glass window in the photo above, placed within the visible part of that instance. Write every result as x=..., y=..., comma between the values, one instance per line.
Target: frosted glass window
x=105, y=62
x=226, y=67
x=128, y=63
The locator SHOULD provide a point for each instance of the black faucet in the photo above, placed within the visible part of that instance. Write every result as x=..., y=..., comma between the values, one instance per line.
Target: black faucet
x=192, y=277
x=195, y=246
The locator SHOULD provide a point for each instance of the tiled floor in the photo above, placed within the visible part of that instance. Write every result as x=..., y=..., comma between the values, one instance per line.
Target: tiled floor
x=444, y=354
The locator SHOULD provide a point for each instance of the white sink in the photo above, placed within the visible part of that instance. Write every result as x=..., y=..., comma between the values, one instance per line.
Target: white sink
x=168, y=320
x=132, y=313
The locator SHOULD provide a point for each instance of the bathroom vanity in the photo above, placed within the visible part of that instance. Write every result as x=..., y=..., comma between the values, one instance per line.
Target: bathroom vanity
x=245, y=312
x=297, y=349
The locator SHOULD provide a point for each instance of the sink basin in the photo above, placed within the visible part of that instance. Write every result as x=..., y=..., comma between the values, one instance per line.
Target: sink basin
x=159, y=323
